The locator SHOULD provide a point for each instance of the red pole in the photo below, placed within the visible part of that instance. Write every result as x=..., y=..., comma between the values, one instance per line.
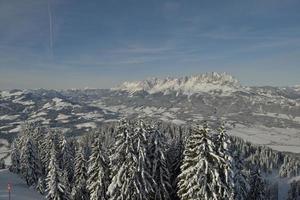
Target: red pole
x=9, y=191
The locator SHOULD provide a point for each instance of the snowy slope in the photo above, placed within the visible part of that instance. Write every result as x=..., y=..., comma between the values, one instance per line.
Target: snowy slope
x=280, y=139
x=20, y=190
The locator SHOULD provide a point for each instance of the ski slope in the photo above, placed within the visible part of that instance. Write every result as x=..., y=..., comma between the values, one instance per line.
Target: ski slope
x=20, y=191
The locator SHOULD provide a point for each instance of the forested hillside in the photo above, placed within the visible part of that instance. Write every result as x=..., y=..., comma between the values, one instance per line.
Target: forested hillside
x=139, y=159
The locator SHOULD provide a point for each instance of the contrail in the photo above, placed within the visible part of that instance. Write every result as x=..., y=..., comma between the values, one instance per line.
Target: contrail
x=50, y=28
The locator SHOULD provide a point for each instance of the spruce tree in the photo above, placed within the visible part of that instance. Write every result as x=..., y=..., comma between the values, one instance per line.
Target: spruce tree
x=241, y=185
x=294, y=191
x=80, y=190
x=98, y=172
x=175, y=157
x=41, y=185
x=15, y=158
x=160, y=171
x=131, y=176
x=223, y=149
x=257, y=185
x=68, y=186
x=51, y=140
x=2, y=163
x=55, y=188
x=67, y=158
x=200, y=178
x=30, y=163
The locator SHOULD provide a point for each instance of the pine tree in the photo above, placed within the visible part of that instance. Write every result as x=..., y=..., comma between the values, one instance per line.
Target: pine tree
x=98, y=172
x=67, y=158
x=160, y=171
x=199, y=178
x=257, y=186
x=294, y=191
x=68, y=186
x=55, y=188
x=223, y=149
x=41, y=185
x=2, y=164
x=30, y=164
x=175, y=157
x=131, y=178
x=15, y=158
x=80, y=190
x=241, y=185
x=49, y=142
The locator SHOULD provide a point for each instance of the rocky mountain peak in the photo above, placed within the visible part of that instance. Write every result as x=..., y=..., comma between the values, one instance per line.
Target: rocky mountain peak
x=208, y=82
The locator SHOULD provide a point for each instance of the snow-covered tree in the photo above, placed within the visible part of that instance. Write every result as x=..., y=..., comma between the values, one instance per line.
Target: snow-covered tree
x=55, y=188
x=294, y=191
x=80, y=190
x=175, y=157
x=200, y=178
x=223, y=149
x=68, y=158
x=131, y=176
x=290, y=167
x=160, y=171
x=2, y=164
x=241, y=185
x=50, y=141
x=67, y=185
x=41, y=185
x=15, y=157
x=30, y=163
x=98, y=172
x=257, y=185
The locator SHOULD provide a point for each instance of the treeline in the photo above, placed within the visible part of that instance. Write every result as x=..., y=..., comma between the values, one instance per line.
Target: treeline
x=144, y=160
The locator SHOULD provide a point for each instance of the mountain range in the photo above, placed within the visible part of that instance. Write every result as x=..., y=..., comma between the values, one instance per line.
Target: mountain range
x=266, y=115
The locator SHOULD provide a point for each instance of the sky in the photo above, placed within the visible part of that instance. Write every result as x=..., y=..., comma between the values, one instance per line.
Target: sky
x=63, y=44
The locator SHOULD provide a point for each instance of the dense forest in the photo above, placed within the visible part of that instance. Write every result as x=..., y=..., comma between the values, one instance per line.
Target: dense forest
x=148, y=160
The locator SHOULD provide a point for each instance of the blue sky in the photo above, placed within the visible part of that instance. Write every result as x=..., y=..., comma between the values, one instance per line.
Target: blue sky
x=99, y=43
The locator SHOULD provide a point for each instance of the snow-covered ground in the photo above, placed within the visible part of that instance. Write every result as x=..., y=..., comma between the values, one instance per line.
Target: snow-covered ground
x=281, y=139
x=20, y=191
x=86, y=125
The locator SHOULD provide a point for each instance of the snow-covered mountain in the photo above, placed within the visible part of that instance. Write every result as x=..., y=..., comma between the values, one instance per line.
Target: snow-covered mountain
x=270, y=115
x=297, y=88
x=221, y=83
x=48, y=107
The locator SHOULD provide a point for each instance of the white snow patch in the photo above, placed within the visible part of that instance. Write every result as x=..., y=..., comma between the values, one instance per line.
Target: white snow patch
x=39, y=114
x=174, y=109
x=178, y=121
x=91, y=115
x=62, y=117
x=9, y=94
x=275, y=115
x=25, y=103
x=46, y=106
x=86, y=125
x=9, y=117
x=111, y=120
x=15, y=130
